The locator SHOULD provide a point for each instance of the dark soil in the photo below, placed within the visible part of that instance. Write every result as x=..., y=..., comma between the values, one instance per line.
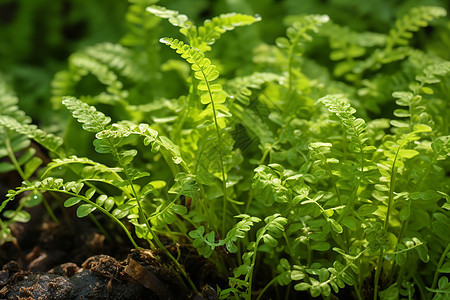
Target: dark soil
x=72, y=260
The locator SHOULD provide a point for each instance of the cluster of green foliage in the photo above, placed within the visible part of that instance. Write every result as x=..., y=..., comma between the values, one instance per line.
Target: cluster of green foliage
x=286, y=161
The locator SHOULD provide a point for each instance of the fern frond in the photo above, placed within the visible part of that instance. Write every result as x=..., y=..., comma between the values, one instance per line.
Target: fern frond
x=335, y=277
x=347, y=45
x=433, y=73
x=239, y=231
x=9, y=101
x=89, y=170
x=47, y=140
x=140, y=25
x=416, y=18
x=204, y=36
x=297, y=34
x=106, y=62
x=151, y=137
x=210, y=93
x=204, y=243
x=253, y=121
x=414, y=100
x=10, y=141
x=355, y=127
x=92, y=120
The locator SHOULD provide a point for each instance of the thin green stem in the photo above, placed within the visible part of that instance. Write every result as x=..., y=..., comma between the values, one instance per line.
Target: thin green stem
x=267, y=152
x=16, y=164
x=358, y=294
x=174, y=260
x=219, y=141
x=248, y=294
x=13, y=159
x=100, y=227
x=49, y=210
x=266, y=287
x=391, y=192
x=439, y=265
x=377, y=274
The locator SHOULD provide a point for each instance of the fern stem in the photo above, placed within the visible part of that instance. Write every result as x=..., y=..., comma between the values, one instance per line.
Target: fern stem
x=49, y=210
x=219, y=141
x=391, y=188
x=267, y=152
x=13, y=159
x=16, y=164
x=377, y=275
x=420, y=285
x=439, y=265
x=290, y=62
x=100, y=227
x=358, y=294
x=248, y=294
x=266, y=287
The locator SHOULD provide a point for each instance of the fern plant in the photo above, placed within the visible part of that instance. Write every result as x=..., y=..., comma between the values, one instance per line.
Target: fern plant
x=289, y=174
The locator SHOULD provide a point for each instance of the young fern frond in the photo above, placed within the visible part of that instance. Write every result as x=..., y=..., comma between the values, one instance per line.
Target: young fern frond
x=118, y=58
x=416, y=18
x=268, y=186
x=294, y=44
x=167, y=214
x=109, y=136
x=211, y=94
x=204, y=36
x=140, y=24
x=90, y=171
x=106, y=62
x=355, y=127
x=413, y=99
